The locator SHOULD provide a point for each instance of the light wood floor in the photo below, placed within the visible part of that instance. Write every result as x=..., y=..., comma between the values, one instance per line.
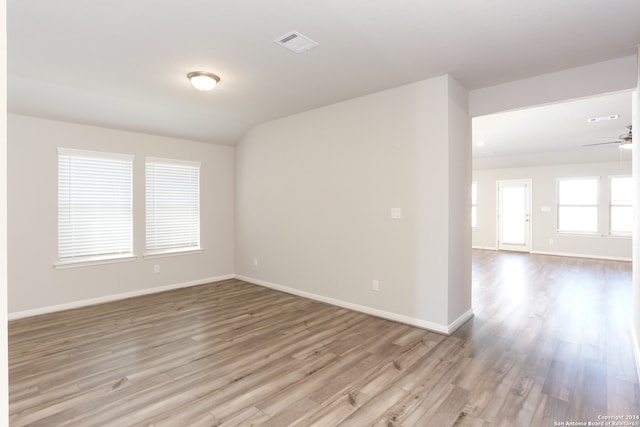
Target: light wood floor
x=549, y=343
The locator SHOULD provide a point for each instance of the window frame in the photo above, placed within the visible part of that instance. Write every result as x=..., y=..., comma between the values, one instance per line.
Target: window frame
x=154, y=250
x=69, y=253
x=612, y=205
x=595, y=205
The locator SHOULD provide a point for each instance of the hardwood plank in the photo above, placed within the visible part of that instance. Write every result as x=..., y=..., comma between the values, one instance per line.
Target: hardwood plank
x=332, y=413
x=448, y=410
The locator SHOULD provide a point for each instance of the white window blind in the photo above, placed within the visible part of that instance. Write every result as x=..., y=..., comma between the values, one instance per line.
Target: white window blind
x=94, y=205
x=172, y=205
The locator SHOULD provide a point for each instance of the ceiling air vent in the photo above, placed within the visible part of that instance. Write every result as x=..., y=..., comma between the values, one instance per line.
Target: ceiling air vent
x=601, y=118
x=296, y=42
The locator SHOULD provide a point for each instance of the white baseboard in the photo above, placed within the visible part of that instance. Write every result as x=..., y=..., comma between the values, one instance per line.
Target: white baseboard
x=564, y=254
x=432, y=326
x=109, y=298
x=460, y=321
x=609, y=258
x=435, y=327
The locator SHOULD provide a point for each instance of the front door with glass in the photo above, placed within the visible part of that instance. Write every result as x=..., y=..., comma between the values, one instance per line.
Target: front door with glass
x=514, y=215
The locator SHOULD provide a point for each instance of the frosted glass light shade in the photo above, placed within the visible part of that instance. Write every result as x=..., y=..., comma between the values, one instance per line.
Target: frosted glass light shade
x=202, y=80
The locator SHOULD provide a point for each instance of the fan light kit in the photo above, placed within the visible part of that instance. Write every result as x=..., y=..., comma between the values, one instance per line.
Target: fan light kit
x=202, y=80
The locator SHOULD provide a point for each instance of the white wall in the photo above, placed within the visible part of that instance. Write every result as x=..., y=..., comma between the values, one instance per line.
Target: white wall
x=4, y=346
x=636, y=238
x=589, y=80
x=35, y=286
x=543, y=224
x=459, y=256
x=315, y=190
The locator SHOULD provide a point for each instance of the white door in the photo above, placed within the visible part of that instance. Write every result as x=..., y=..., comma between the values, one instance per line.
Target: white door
x=514, y=215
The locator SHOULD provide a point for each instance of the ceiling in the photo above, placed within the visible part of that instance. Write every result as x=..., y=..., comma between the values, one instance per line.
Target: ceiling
x=553, y=134
x=123, y=63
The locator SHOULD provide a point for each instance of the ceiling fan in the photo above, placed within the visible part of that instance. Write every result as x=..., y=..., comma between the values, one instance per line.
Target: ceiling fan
x=624, y=140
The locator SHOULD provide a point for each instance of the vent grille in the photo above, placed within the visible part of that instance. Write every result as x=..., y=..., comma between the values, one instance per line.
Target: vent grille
x=295, y=42
x=601, y=118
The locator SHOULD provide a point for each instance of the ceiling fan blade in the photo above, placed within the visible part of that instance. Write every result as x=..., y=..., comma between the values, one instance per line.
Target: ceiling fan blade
x=602, y=143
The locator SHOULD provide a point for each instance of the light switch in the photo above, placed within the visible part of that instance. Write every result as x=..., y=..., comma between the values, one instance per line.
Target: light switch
x=396, y=213
x=545, y=209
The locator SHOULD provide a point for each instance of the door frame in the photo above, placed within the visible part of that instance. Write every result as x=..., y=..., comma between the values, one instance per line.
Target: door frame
x=528, y=232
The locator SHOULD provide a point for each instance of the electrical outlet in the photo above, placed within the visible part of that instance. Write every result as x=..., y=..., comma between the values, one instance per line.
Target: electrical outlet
x=156, y=268
x=255, y=262
x=375, y=285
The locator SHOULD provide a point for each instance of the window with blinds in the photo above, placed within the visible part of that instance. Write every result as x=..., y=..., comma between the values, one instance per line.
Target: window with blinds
x=94, y=205
x=172, y=206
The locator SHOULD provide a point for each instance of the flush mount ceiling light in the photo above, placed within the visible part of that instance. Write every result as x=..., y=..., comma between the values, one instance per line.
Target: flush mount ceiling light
x=202, y=80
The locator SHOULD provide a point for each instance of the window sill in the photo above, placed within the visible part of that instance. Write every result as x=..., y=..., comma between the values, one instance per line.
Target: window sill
x=85, y=262
x=172, y=252
x=579, y=234
x=620, y=236
x=608, y=236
